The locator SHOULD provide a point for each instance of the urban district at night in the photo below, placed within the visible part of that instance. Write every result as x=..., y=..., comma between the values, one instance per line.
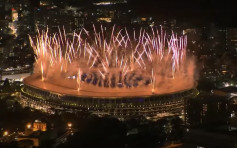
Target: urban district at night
x=118, y=74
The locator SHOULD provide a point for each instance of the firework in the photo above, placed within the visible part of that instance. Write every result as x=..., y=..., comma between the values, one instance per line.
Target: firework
x=113, y=60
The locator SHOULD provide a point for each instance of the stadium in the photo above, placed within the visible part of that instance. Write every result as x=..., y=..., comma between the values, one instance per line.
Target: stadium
x=129, y=105
x=148, y=75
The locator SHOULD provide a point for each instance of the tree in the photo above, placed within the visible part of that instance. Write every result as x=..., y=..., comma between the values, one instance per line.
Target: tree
x=6, y=86
x=205, y=85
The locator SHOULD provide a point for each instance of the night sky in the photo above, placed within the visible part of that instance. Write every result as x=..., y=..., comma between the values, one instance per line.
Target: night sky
x=223, y=12
x=220, y=12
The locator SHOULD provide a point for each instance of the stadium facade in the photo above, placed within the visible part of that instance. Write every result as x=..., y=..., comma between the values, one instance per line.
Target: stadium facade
x=122, y=106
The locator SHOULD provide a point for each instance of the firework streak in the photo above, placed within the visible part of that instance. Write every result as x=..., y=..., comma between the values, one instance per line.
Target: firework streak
x=112, y=59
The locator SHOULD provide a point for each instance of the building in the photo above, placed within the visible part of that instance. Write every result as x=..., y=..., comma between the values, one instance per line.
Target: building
x=39, y=126
x=121, y=106
x=231, y=43
x=215, y=138
x=207, y=110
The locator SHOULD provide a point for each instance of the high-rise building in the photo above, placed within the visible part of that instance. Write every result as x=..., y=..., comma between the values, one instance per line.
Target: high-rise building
x=231, y=41
x=207, y=110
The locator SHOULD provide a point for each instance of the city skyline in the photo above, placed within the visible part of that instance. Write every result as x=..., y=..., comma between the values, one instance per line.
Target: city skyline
x=118, y=73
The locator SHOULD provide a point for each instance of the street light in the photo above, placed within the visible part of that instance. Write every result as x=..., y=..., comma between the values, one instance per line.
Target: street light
x=5, y=133
x=69, y=125
x=28, y=126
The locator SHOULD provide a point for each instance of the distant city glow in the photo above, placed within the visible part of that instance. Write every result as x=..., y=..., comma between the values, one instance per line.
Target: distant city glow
x=227, y=84
x=233, y=94
x=106, y=19
x=109, y=3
